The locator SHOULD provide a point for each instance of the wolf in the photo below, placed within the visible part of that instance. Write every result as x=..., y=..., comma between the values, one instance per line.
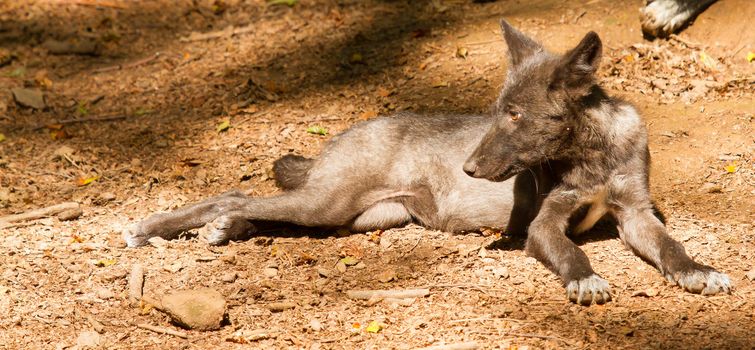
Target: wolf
x=553, y=145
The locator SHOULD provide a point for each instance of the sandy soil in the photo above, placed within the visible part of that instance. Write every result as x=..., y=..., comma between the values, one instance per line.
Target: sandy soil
x=332, y=64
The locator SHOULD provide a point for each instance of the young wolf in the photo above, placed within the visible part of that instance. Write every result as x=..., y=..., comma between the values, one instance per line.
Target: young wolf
x=390, y=171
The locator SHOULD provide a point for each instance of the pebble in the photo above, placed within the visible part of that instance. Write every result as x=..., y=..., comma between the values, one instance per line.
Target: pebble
x=229, y=277
x=200, y=309
x=104, y=293
x=270, y=272
x=88, y=340
x=751, y=275
x=315, y=325
x=30, y=98
x=501, y=272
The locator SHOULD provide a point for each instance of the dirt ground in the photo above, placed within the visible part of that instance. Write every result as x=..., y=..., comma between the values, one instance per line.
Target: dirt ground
x=167, y=74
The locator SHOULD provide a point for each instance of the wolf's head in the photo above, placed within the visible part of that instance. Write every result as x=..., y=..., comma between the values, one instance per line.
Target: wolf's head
x=536, y=114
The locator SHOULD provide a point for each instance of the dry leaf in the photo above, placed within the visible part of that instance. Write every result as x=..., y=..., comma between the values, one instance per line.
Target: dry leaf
x=383, y=92
x=367, y=115
x=318, y=130
x=349, y=261
x=750, y=56
x=462, y=52
x=86, y=181
x=731, y=168
x=105, y=262
x=440, y=83
x=225, y=125
x=356, y=58
x=373, y=327
x=2, y=137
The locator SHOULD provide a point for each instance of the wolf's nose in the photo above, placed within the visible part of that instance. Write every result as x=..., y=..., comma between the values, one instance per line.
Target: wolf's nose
x=470, y=168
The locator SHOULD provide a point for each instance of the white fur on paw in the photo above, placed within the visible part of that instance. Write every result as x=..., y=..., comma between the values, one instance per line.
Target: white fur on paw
x=662, y=17
x=134, y=236
x=589, y=290
x=705, y=282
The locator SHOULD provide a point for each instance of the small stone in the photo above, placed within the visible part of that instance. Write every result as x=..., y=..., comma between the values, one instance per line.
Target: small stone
x=106, y=197
x=341, y=267
x=315, y=325
x=229, y=277
x=104, y=293
x=270, y=272
x=30, y=98
x=70, y=214
x=387, y=276
x=751, y=275
x=200, y=309
x=324, y=272
x=501, y=272
x=359, y=266
x=650, y=292
x=63, y=152
x=88, y=340
x=229, y=258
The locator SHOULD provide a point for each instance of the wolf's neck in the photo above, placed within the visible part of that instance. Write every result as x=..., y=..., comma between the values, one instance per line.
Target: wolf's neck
x=607, y=132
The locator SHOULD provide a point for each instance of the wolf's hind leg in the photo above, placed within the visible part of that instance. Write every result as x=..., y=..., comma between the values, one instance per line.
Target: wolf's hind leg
x=169, y=225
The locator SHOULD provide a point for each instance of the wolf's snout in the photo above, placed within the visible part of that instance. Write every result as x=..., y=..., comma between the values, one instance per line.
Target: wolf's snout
x=470, y=167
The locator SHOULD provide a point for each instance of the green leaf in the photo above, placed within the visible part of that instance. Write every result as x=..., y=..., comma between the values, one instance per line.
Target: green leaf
x=373, y=327
x=225, y=125
x=81, y=109
x=350, y=261
x=289, y=3
x=316, y=129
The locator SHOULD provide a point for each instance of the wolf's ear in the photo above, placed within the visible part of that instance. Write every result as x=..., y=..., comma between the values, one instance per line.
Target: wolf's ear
x=577, y=68
x=520, y=45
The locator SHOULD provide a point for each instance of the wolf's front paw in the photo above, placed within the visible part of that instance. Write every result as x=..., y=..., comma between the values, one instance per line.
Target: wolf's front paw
x=135, y=235
x=589, y=290
x=703, y=281
x=228, y=227
x=663, y=17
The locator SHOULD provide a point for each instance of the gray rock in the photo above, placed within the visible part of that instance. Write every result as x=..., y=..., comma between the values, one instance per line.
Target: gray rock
x=30, y=98
x=200, y=309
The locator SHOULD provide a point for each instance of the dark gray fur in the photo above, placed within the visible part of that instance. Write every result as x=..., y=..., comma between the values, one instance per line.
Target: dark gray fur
x=390, y=171
x=574, y=146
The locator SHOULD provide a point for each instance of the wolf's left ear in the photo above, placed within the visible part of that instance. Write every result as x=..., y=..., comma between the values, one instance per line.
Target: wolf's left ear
x=578, y=66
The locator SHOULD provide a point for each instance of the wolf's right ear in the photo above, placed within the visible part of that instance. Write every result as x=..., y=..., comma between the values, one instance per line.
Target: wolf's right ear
x=520, y=45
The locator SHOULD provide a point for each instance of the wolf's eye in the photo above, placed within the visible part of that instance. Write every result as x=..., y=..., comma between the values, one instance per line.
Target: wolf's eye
x=514, y=116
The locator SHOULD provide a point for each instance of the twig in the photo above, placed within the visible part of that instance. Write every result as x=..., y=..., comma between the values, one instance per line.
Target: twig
x=532, y=335
x=690, y=44
x=99, y=3
x=126, y=66
x=162, y=330
x=227, y=32
x=456, y=346
x=69, y=210
x=136, y=283
x=413, y=247
x=390, y=293
x=82, y=120
x=483, y=42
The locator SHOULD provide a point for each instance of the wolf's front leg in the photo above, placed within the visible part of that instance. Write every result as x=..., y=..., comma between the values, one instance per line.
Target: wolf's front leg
x=646, y=236
x=170, y=224
x=547, y=242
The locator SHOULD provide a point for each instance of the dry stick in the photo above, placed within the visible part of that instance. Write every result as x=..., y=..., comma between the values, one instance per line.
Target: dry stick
x=99, y=3
x=227, y=32
x=690, y=44
x=162, y=330
x=136, y=283
x=393, y=293
x=40, y=213
x=532, y=335
x=82, y=120
x=456, y=346
x=130, y=65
